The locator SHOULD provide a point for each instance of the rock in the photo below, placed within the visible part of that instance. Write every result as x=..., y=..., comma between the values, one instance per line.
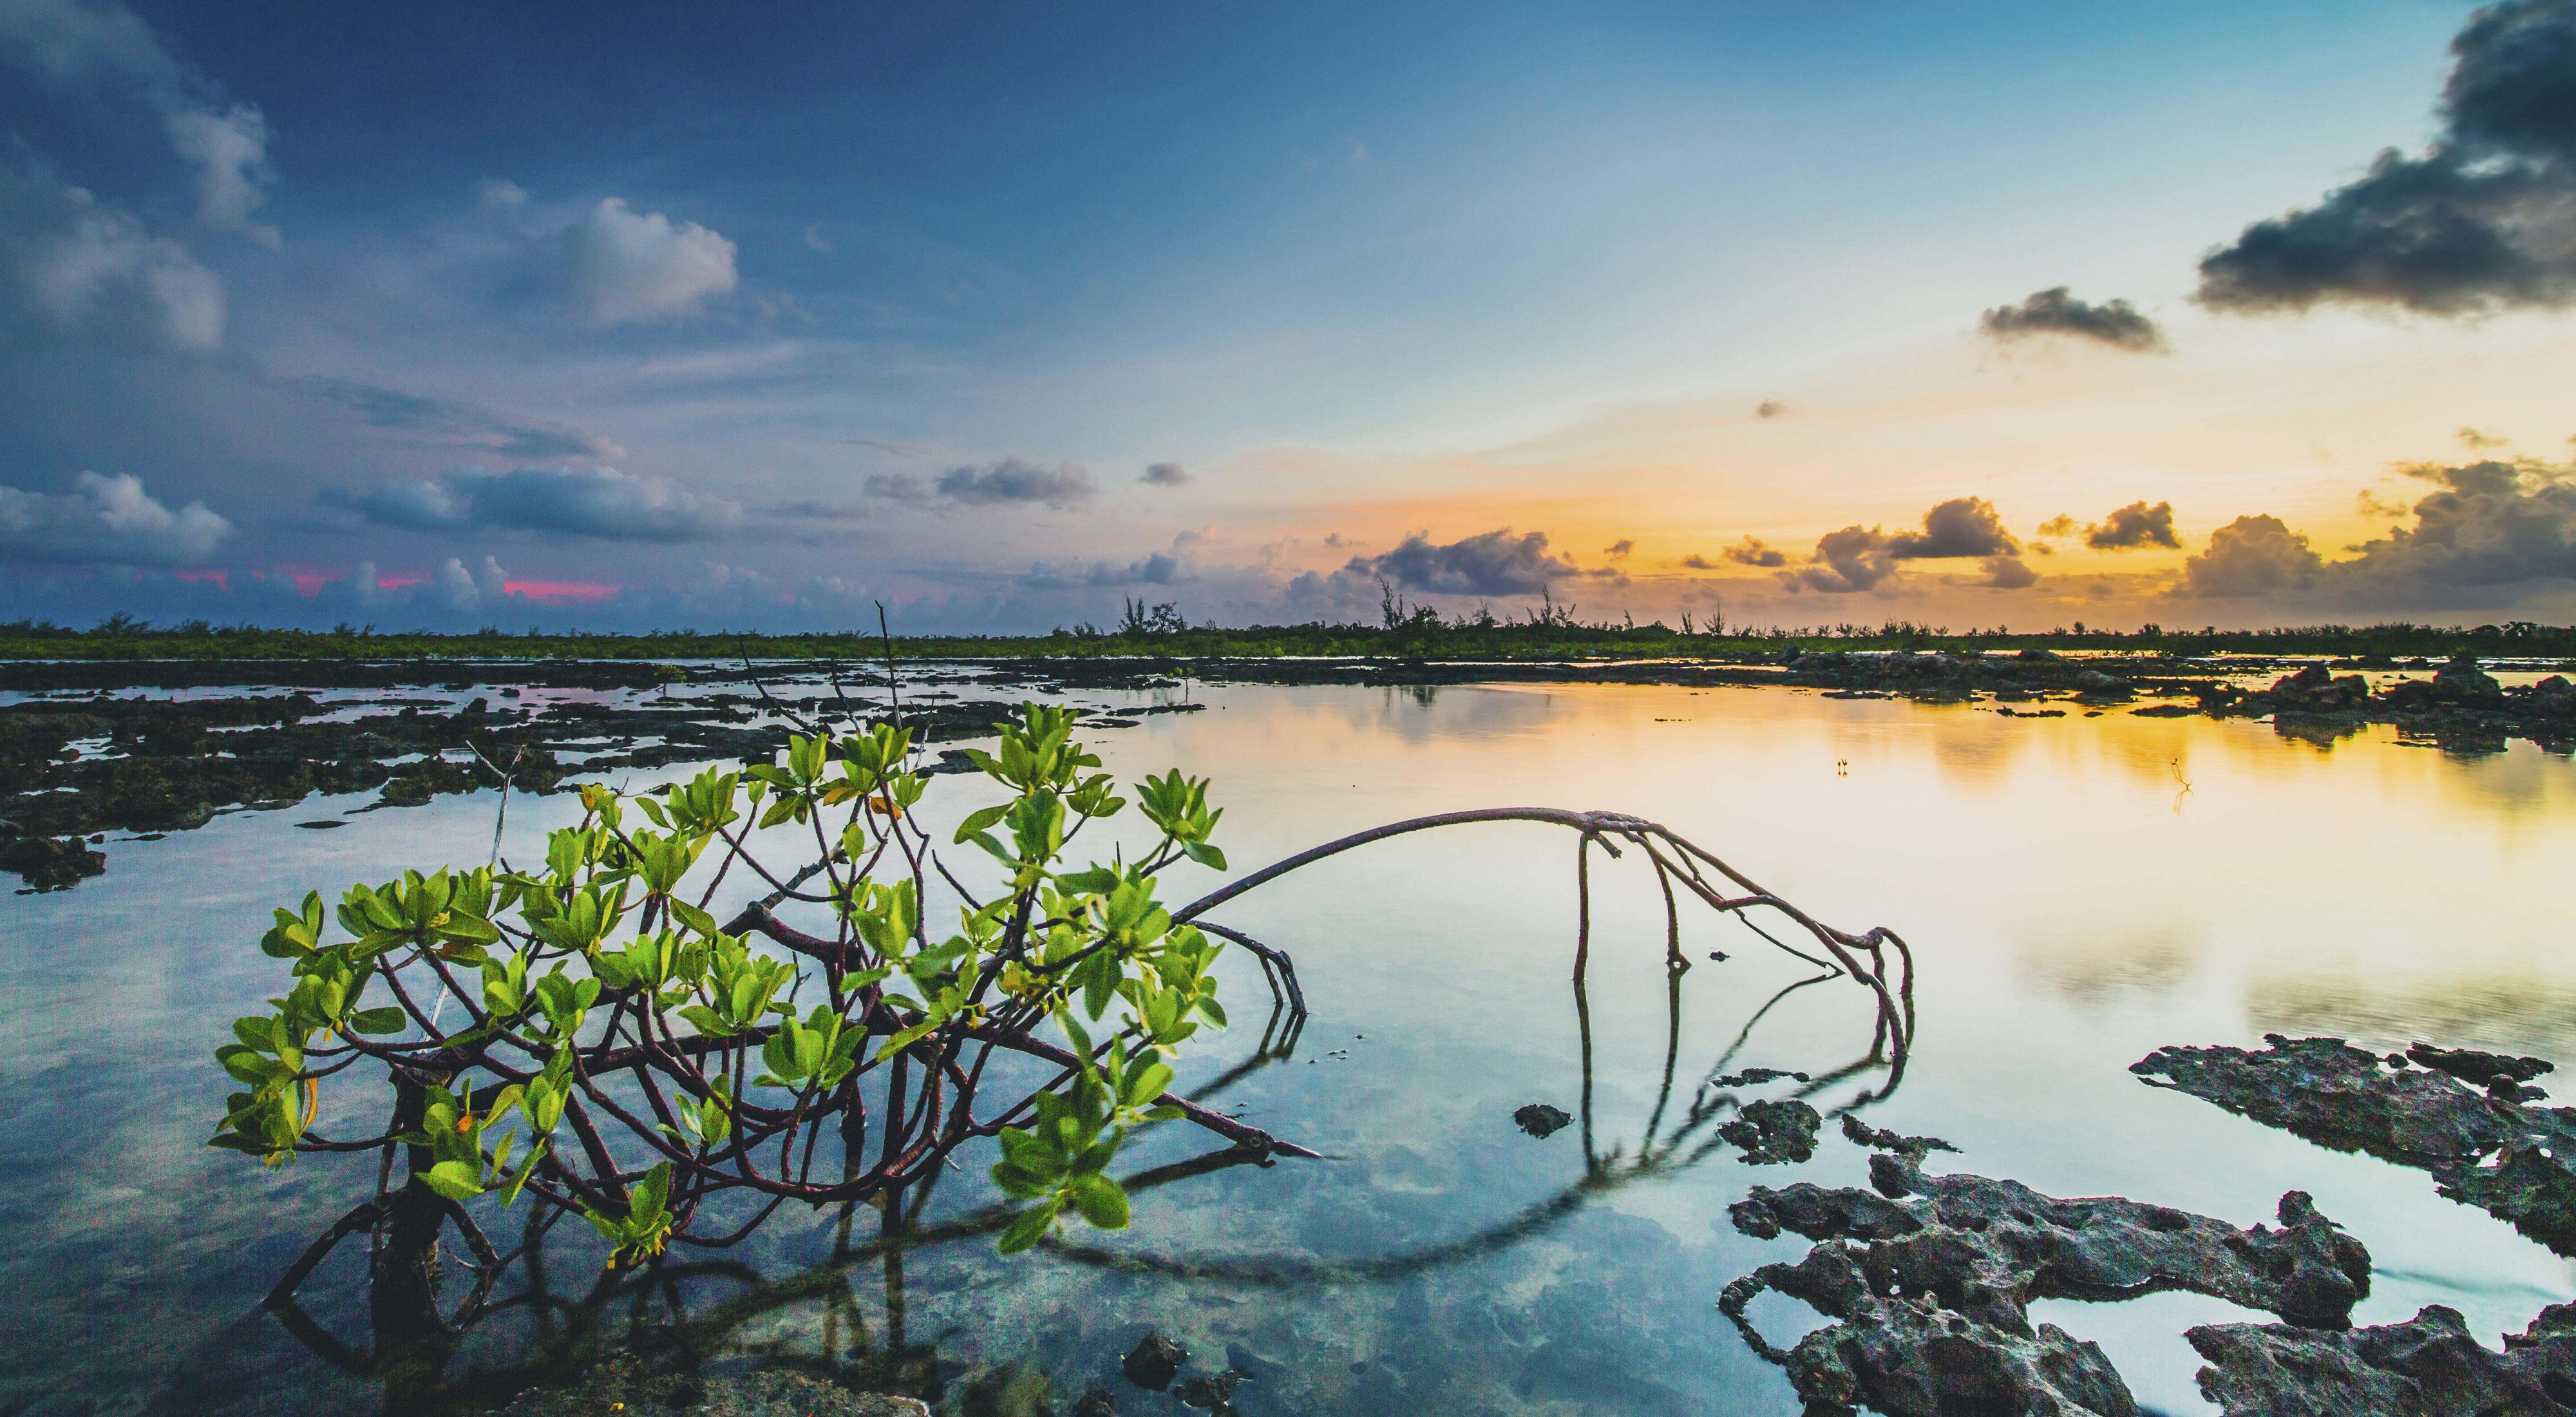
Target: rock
x=2490, y=1150
x=1096, y=1401
x=2427, y=1366
x=1774, y=1132
x=1540, y=1120
x=2463, y=682
x=1154, y=1361
x=1749, y=1077
x=50, y=863
x=1930, y=1283
x=630, y=1386
x=1209, y=1394
x=1861, y=1133
x=2479, y=1069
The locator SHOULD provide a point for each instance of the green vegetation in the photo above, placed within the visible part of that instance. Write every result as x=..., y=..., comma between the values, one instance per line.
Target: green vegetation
x=1160, y=631
x=586, y=1034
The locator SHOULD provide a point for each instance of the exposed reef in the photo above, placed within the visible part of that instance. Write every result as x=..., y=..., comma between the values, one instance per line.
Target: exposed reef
x=2468, y=1118
x=1930, y=1281
x=2427, y=1366
x=79, y=768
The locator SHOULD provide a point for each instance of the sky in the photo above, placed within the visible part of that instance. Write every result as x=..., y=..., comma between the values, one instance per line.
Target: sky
x=1770, y=312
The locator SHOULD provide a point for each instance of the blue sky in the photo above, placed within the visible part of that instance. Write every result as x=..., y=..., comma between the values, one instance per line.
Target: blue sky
x=646, y=314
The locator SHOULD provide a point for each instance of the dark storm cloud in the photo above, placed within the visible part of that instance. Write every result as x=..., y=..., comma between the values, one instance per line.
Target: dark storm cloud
x=1492, y=563
x=1165, y=474
x=2484, y=220
x=2135, y=525
x=2056, y=311
x=599, y=503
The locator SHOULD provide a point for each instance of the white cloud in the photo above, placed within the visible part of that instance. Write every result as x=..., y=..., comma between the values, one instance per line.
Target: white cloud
x=501, y=193
x=89, y=269
x=106, y=519
x=78, y=41
x=461, y=589
x=597, y=502
x=230, y=149
x=628, y=266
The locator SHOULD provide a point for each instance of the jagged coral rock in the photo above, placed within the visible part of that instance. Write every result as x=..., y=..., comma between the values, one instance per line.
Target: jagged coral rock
x=2427, y=1366
x=2486, y=1149
x=1931, y=1283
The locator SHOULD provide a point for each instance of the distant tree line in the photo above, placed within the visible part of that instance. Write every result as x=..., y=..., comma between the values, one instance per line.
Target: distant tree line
x=1405, y=629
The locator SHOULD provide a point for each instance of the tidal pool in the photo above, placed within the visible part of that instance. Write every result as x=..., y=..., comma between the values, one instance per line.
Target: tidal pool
x=2077, y=892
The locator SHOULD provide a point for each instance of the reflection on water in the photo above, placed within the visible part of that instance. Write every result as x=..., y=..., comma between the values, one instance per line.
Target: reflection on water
x=2071, y=909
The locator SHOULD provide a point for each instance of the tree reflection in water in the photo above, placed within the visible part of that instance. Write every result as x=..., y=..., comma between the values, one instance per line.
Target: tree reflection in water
x=687, y=1312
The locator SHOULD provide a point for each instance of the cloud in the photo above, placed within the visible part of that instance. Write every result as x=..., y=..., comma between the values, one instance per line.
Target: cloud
x=1165, y=474
x=896, y=487
x=392, y=408
x=107, y=519
x=1697, y=562
x=1620, y=549
x=1769, y=408
x=630, y=267
x=1159, y=568
x=2484, y=220
x=2134, y=525
x=1852, y=559
x=2055, y=311
x=600, y=503
x=2009, y=573
x=1859, y=558
x=1753, y=551
x=1492, y=563
x=500, y=194
x=230, y=150
x=2059, y=525
x=88, y=270
x=1014, y=481
x=83, y=41
x=2257, y=555
x=1962, y=526
x=2487, y=523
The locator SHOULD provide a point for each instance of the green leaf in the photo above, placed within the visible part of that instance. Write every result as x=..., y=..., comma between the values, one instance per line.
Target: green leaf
x=388, y=1019
x=1102, y=1201
x=456, y=1180
x=1026, y=1230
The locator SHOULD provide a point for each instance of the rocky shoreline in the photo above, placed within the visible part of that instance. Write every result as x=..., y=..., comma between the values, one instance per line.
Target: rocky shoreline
x=1928, y=1279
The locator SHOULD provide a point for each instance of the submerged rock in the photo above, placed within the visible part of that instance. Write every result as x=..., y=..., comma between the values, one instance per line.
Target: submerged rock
x=1931, y=1282
x=1774, y=1132
x=1861, y=1133
x=1540, y=1120
x=2488, y=1149
x=2427, y=1366
x=49, y=863
x=635, y=1387
x=1154, y=1361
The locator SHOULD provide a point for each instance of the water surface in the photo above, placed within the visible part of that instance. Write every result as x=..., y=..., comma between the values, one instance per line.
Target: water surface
x=2078, y=892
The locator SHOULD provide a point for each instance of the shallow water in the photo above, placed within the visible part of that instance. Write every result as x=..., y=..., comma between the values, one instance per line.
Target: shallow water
x=2077, y=891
